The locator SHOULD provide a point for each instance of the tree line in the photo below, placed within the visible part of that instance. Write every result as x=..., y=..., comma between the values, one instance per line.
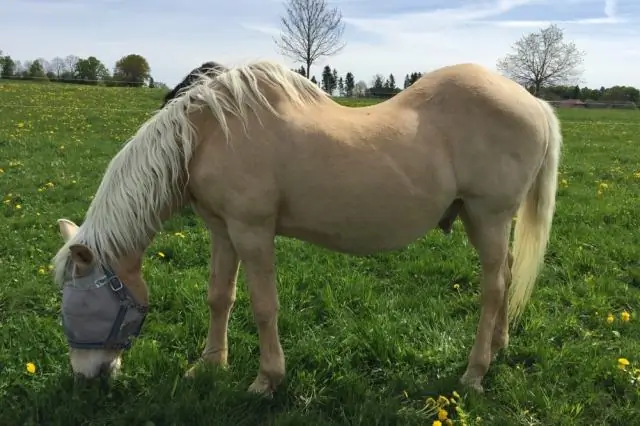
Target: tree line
x=337, y=85
x=134, y=70
x=130, y=70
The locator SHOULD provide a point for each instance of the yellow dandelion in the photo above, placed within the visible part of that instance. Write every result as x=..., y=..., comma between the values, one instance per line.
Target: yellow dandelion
x=456, y=394
x=161, y=254
x=41, y=270
x=31, y=368
x=623, y=363
x=50, y=184
x=1, y=171
x=18, y=206
x=637, y=174
x=442, y=400
x=604, y=185
x=442, y=414
x=436, y=423
x=456, y=286
x=20, y=125
x=179, y=234
x=625, y=316
x=610, y=319
x=61, y=146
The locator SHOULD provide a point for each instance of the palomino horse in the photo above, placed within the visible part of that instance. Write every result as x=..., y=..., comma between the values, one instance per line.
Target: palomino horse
x=261, y=151
x=209, y=68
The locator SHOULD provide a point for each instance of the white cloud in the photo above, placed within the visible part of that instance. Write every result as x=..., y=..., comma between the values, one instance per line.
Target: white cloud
x=610, y=7
x=176, y=39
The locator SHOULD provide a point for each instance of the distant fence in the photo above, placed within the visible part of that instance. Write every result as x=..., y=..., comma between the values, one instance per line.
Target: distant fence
x=574, y=103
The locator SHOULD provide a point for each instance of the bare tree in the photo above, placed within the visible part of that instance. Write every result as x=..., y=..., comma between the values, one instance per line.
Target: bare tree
x=58, y=66
x=310, y=30
x=71, y=61
x=360, y=89
x=543, y=58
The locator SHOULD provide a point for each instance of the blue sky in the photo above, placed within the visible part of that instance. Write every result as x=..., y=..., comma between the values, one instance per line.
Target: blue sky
x=382, y=36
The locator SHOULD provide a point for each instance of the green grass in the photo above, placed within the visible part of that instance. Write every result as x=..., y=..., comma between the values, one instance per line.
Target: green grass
x=367, y=340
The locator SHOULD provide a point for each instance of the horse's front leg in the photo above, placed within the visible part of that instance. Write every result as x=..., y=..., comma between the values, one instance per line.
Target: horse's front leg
x=256, y=249
x=221, y=296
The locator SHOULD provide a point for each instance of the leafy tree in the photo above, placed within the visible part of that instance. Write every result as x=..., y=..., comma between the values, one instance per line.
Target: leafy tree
x=543, y=58
x=621, y=94
x=313, y=79
x=91, y=69
x=576, y=92
x=334, y=80
x=377, y=82
x=327, y=79
x=36, y=70
x=390, y=83
x=409, y=79
x=310, y=30
x=349, y=84
x=341, y=86
x=132, y=69
x=8, y=66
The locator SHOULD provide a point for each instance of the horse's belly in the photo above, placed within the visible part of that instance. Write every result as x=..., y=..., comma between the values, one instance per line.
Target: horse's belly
x=360, y=228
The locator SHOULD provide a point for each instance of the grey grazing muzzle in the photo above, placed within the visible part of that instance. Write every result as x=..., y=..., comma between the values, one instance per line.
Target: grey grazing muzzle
x=98, y=312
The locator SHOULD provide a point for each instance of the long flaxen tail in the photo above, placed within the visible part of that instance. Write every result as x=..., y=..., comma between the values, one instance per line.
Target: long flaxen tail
x=533, y=222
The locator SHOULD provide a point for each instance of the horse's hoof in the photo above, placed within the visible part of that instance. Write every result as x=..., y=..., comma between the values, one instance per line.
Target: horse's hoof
x=262, y=386
x=473, y=383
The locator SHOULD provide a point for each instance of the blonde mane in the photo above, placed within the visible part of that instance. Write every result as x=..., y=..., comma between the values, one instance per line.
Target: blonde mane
x=144, y=177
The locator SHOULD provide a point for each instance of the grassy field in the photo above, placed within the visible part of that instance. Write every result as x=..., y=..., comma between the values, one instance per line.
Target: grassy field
x=374, y=340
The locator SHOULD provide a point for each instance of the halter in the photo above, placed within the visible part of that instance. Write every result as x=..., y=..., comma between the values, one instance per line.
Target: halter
x=99, y=312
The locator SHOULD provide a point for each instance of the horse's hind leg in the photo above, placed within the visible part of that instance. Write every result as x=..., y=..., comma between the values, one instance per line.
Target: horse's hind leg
x=489, y=234
x=500, y=338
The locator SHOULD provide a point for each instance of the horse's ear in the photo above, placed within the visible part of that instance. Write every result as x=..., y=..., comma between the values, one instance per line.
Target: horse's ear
x=81, y=256
x=67, y=228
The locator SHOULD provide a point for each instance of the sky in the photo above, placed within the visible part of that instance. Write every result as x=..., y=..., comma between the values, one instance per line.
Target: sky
x=381, y=36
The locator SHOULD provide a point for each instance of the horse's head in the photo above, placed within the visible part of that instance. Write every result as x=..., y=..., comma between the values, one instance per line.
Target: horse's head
x=103, y=307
